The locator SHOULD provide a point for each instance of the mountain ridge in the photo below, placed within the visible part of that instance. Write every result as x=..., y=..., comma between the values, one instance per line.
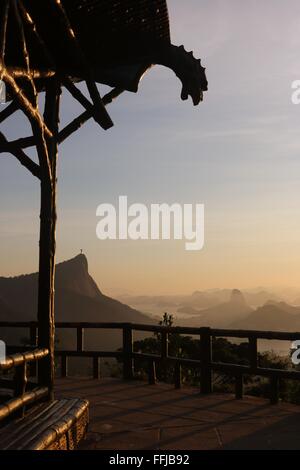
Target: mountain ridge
x=77, y=298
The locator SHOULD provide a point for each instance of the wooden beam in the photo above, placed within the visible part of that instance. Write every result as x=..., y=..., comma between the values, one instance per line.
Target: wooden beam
x=73, y=126
x=24, y=104
x=12, y=148
x=79, y=96
x=15, y=404
x=78, y=122
x=19, y=72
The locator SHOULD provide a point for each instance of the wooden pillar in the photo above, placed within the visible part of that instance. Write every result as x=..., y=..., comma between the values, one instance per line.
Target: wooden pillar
x=47, y=246
x=46, y=287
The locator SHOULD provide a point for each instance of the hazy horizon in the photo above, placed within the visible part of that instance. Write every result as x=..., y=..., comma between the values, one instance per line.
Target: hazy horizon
x=285, y=292
x=237, y=153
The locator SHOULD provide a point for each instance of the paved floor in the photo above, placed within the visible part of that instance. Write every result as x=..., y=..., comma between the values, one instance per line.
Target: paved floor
x=134, y=415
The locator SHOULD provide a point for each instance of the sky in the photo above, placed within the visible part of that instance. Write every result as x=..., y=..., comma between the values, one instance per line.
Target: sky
x=237, y=153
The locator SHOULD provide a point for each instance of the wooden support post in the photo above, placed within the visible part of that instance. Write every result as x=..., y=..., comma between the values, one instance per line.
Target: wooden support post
x=20, y=380
x=64, y=366
x=46, y=288
x=205, y=358
x=177, y=375
x=239, y=387
x=80, y=339
x=33, y=369
x=96, y=368
x=47, y=238
x=253, y=352
x=151, y=373
x=274, y=390
x=127, y=353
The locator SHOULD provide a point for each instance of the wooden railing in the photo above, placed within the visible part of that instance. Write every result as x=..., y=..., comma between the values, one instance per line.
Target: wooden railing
x=24, y=393
x=204, y=363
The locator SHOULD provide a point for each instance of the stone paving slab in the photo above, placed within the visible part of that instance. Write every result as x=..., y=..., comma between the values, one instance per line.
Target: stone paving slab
x=135, y=415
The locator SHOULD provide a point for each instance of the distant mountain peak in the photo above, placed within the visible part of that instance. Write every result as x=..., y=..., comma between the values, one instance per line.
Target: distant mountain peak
x=196, y=292
x=73, y=274
x=237, y=297
x=79, y=262
x=77, y=297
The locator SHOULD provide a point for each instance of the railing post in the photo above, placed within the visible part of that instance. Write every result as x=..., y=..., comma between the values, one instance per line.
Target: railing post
x=274, y=390
x=80, y=338
x=32, y=367
x=20, y=382
x=64, y=366
x=127, y=353
x=205, y=358
x=239, y=386
x=253, y=352
x=151, y=373
x=177, y=375
x=164, y=344
x=164, y=353
x=33, y=335
x=96, y=368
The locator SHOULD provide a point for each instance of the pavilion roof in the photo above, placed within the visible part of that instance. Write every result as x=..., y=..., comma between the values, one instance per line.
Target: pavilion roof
x=117, y=37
